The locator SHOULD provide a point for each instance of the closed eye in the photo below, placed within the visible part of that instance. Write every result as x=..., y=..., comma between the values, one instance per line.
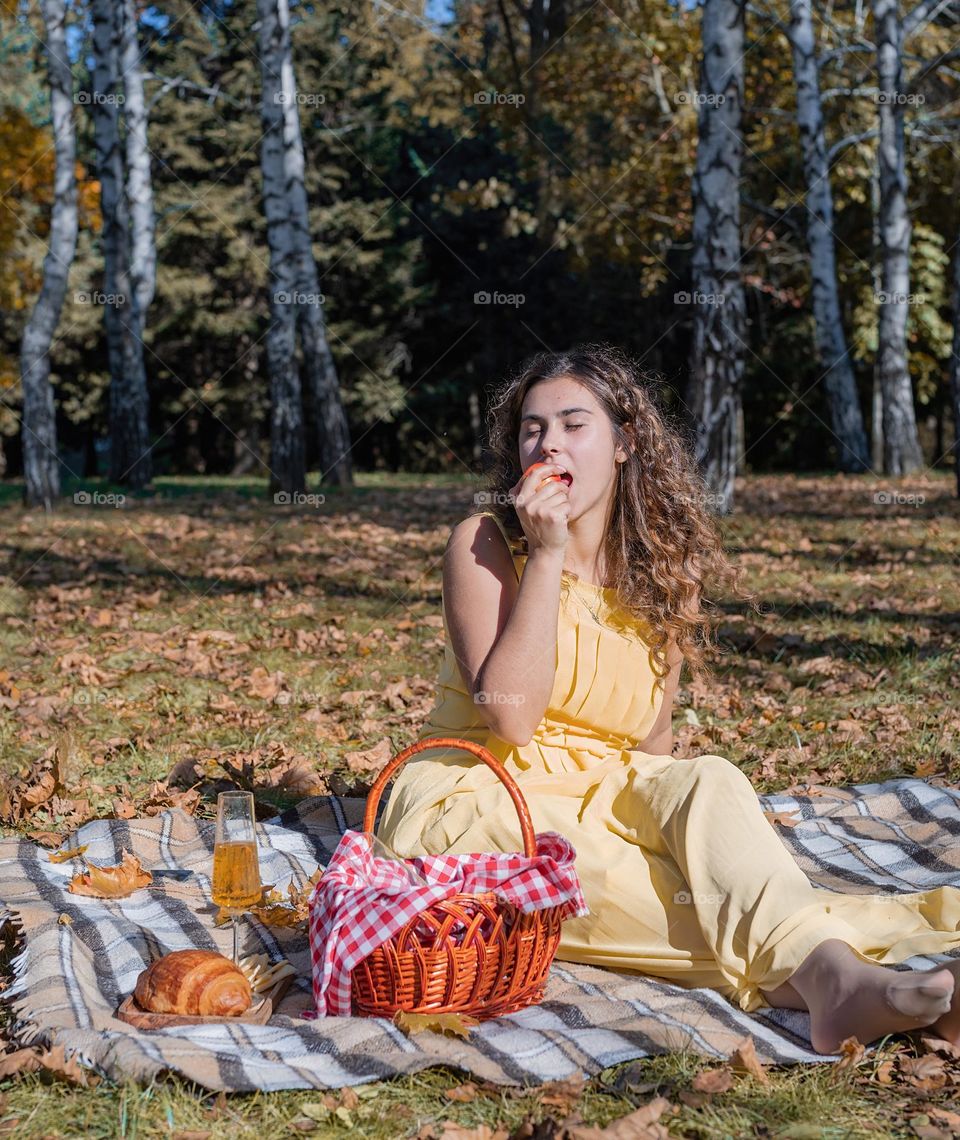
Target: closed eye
x=570, y=427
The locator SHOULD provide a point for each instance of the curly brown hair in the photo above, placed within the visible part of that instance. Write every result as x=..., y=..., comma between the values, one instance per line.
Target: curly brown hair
x=663, y=544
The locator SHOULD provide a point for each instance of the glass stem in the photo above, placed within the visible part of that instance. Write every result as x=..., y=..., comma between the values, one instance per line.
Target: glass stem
x=236, y=956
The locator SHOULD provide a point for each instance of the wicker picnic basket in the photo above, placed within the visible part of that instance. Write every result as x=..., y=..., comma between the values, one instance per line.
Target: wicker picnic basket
x=497, y=966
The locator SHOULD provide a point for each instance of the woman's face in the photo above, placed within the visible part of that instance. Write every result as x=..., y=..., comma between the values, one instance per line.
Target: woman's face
x=562, y=422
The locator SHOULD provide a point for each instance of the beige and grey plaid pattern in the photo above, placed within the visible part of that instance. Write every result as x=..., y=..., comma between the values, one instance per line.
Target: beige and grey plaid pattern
x=80, y=957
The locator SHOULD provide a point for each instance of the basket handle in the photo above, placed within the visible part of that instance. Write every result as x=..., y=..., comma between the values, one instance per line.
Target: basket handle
x=526, y=824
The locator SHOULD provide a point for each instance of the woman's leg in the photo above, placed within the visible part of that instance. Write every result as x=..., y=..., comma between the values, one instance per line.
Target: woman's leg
x=850, y=998
x=768, y=925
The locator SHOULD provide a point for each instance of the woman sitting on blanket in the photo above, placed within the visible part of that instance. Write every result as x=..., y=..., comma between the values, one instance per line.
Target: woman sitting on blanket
x=569, y=609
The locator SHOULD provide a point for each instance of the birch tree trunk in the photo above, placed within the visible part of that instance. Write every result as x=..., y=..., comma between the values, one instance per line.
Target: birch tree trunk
x=845, y=415
x=287, y=461
x=143, y=259
x=129, y=440
x=876, y=435
x=901, y=445
x=294, y=277
x=955, y=366
x=40, y=462
x=719, y=320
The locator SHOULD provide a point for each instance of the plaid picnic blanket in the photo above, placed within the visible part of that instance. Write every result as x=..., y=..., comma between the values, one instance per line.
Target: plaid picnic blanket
x=81, y=956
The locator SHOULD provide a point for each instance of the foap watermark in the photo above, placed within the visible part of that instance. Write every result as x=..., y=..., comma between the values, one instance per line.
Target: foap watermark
x=899, y=99
x=697, y=898
x=297, y=298
x=700, y=98
x=698, y=298
x=492, y=498
x=298, y=499
x=498, y=99
x=495, y=298
x=98, y=499
x=709, y=499
x=95, y=297
x=485, y=697
x=305, y=698
x=899, y=499
x=300, y=98
x=883, y=298
x=94, y=697
x=89, y=98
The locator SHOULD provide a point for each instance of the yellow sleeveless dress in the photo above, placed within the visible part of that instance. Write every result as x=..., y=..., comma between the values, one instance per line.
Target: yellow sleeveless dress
x=685, y=878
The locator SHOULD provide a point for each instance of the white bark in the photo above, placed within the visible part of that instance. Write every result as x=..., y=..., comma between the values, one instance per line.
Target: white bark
x=287, y=463
x=129, y=441
x=839, y=381
x=901, y=445
x=719, y=321
x=40, y=463
x=294, y=272
x=143, y=260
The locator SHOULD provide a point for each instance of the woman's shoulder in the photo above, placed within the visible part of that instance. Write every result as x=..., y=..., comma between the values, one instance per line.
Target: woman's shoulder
x=473, y=523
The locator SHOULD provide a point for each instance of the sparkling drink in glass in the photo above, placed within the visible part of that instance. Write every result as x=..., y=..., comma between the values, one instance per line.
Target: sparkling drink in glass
x=236, y=867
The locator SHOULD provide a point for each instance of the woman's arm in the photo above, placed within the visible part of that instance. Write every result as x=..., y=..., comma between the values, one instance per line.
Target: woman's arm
x=503, y=633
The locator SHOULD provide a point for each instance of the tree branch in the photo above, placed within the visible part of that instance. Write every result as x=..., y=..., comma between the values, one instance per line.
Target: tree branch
x=924, y=12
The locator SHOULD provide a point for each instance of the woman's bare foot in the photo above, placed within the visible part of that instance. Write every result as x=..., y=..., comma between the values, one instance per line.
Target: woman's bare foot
x=947, y=1027
x=851, y=998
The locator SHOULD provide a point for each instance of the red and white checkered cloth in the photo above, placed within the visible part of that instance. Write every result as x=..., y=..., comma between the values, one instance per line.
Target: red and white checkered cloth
x=362, y=900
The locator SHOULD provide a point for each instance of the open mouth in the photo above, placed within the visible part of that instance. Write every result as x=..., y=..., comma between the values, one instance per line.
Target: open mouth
x=567, y=478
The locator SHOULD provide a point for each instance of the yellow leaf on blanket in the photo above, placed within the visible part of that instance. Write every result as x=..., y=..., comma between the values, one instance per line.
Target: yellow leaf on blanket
x=451, y=1023
x=782, y=817
x=278, y=914
x=65, y=854
x=111, y=882
x=744, y=1059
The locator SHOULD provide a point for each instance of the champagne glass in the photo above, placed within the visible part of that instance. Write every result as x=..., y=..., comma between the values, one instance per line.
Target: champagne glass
x=236, y=868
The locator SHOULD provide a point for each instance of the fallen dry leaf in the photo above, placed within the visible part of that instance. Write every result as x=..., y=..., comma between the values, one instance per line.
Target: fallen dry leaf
x=455, y=1024
x=885, y=1072
x=161, y=798
x=20, y=1061
x=562, y=1094
x=714, y=1080
x=851, y=1054
x=464, y=1093
x=454, y=1131
x=785, y=819
x=372, y=759
x=297, y=776
x=938, y=1045
x=927, y=1072
x=744, y=1058
x=111, y=882
x=643, y=1124
x=52, y=1061
x=66, y=854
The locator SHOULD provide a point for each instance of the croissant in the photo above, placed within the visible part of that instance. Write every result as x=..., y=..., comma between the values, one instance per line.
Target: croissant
x=193, y=982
